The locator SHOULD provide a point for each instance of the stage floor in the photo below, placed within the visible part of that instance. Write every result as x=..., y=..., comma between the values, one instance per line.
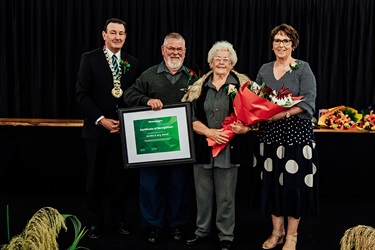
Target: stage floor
x=322, y=232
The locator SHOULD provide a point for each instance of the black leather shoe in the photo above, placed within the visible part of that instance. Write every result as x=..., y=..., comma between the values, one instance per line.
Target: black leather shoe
x=94, y=232
x=176, y=234
x=225, y=245
x=193, y=240
x=153, y=236
x=121, y=228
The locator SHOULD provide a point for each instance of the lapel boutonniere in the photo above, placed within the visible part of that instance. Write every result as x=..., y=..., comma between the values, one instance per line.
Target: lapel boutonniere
x=232, y=90
x=294, y=66
x=125, y=65
x=191, y=74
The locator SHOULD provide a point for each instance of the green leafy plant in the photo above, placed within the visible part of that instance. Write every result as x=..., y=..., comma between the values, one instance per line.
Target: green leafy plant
x=78, y=232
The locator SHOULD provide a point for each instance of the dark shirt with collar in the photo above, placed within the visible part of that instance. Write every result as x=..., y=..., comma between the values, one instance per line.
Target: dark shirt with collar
x=154, y=83
x=217, y=102
x=172, y=78
x=217, y=105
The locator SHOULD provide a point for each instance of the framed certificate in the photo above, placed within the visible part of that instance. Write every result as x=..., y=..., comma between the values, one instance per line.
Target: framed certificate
x=161, y=137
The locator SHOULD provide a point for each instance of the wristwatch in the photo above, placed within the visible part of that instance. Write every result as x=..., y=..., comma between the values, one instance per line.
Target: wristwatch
x=287, y=115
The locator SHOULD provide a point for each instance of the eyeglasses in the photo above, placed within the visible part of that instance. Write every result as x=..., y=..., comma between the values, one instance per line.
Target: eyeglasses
x=285, y=41
x=224, y=59
x=172, y=49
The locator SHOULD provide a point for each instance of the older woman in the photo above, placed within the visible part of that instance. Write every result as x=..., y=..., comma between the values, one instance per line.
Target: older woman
x=216, y=177
x=287, y=154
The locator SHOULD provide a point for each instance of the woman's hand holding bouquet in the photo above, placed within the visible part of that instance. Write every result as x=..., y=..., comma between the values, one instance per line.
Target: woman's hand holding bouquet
x=252, y=104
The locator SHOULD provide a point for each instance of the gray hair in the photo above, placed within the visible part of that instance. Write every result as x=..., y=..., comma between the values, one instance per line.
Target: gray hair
x=222, y=45
x=173, y=35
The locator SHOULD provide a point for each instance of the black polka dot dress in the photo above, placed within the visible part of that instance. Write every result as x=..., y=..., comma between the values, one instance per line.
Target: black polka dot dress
x=287, y=164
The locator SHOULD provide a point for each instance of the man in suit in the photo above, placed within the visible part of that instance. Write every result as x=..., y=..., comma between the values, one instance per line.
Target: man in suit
x=104, y=74
x=165, y=191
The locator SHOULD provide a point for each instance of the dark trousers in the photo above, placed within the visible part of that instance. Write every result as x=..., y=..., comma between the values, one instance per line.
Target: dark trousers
x=166, y=195
x=106, y=177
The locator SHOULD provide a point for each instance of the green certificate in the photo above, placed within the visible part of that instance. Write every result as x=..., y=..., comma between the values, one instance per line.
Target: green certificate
x=156, y=135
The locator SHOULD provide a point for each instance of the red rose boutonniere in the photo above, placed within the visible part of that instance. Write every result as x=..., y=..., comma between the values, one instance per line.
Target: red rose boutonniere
x=191, y=74
x=125, y=65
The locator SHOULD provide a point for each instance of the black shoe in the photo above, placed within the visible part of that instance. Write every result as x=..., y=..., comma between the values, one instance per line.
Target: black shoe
x=121, y=228
x=176, y=234
x=225, y=245
x=193, y=240
x=94, y=232
x=153, y=236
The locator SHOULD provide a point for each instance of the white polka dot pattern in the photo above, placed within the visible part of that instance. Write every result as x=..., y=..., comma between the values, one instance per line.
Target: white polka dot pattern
x=291, y=166
x=254, y=161
x=281, y=179
x=280, y=152
x=293, y=132
x=309, y=180
x=261, y=149
x=288, y=166
x=314, y=168
x=307, y=152
x=268, y=165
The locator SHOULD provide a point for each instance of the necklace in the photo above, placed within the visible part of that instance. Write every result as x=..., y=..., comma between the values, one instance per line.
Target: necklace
x=116, y=91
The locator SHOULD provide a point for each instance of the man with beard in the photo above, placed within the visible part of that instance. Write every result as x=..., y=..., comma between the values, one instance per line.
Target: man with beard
x=165, y=191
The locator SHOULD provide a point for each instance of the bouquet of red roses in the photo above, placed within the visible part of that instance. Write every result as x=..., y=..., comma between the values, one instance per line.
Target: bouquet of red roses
x=252, y=104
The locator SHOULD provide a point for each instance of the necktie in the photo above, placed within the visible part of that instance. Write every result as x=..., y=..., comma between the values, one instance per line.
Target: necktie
x=115, y=65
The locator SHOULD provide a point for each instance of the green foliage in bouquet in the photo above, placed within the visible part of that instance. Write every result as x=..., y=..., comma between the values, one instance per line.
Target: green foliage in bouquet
x=368, y=118
x=352, y=113
x=283, y=97
x=368, y=110
x=262, y=91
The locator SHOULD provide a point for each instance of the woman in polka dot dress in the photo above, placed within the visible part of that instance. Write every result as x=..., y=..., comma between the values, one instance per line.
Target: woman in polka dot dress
x=286, y=156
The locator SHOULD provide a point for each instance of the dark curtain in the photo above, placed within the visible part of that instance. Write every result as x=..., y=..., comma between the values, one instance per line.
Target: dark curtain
x=42, y=41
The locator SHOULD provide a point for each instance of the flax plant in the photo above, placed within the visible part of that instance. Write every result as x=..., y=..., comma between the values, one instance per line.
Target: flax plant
x=359, y=238
x=42, y=230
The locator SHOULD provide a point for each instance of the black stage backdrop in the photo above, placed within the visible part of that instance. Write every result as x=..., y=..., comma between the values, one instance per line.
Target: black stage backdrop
x=42, y=41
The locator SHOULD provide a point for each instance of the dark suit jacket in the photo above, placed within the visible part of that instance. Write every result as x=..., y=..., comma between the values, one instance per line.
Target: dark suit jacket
x=94, y=86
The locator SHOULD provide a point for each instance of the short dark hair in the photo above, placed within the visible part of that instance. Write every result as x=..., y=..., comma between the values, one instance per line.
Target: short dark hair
x=114, y=20
x=289, y=31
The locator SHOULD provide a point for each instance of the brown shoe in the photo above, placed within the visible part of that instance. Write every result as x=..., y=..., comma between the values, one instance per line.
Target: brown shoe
x=280, y=239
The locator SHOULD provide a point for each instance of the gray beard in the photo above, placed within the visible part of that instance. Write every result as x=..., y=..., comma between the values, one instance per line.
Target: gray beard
x=174, y=65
